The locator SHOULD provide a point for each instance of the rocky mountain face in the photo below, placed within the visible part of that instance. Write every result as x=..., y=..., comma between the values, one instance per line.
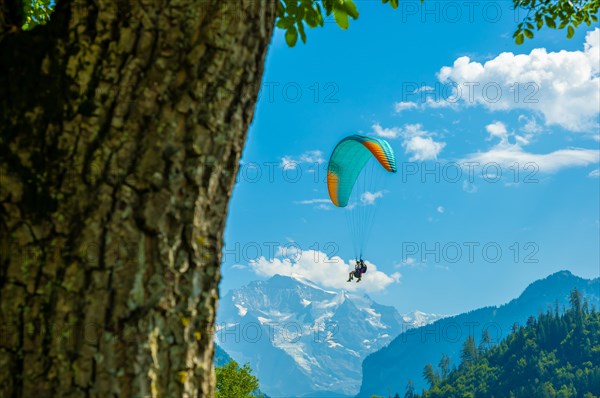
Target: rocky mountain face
x=303, y=340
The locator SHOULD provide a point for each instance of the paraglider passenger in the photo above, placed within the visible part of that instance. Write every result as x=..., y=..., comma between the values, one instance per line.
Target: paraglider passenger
x=359, y=269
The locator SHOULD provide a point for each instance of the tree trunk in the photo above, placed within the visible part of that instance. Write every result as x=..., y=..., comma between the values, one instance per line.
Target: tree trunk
x=122, y=125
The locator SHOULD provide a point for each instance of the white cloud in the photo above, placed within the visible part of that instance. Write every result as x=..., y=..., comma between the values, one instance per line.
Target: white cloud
x=507, y=155
x=321, y=204
x=563, y=86
x=420, y=143
x=350, y=206
x=531, y=126
x=404, y=105
x=407, y=262
x=469, y=187
x=594, y=173
x=238, y=266
x=369, y=198
x=416, y=141
x=414, y=130
x=312, y=201
x=309, y=157
x=411, y=262
x=390, y=133
x=497, y=129
x=423, y=148
x=440, y=209
x=323, y=270
x=427, y=103
x=315, y=156
x=290, y=251
x=424, y=88
x=287, y=163
x=439, y=103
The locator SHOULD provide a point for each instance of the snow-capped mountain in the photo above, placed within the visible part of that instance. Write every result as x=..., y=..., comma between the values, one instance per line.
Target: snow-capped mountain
x=301, y=339
x=417, y=318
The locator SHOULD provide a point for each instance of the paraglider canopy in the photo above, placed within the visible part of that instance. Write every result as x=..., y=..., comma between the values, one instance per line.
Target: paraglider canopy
x=354, y=164
x=349, y=158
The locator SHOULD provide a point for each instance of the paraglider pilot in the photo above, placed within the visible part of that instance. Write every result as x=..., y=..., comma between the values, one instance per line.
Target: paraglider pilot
x=359, y=268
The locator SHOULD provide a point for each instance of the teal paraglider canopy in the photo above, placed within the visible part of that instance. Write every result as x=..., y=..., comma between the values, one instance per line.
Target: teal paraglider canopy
x=355, y=166
x=349, y=158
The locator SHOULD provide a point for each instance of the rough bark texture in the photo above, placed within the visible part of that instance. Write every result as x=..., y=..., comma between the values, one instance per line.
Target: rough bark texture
x=122, y=124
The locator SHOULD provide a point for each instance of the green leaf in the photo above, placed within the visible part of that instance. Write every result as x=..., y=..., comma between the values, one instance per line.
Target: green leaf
x=300, y=14
x=287, y=22
x=311, y=18
x=319, y=15
x=520, y=39
x=36, y=12
x=328, y=7
x=284, y=23
x=594, y=18
x=528, y=33
x=550, y=22
x=301, y=31
x=292, y=6
x=341, y=18
x=291, y=36
x=517, y=33
x=540, y=23
x=570, y=32
x=350, y=9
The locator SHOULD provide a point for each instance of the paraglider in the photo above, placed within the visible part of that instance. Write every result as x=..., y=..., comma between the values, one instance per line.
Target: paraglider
x=353, y=168
x=359, y=268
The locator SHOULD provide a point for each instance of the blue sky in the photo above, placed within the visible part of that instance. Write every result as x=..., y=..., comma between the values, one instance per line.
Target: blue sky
x=392, y=74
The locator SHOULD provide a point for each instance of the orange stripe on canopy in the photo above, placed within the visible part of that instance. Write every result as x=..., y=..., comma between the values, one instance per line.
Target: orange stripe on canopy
x=378, y=153
x=332, y=186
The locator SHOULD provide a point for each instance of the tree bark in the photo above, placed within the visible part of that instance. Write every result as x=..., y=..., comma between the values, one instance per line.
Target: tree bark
x=122, y=125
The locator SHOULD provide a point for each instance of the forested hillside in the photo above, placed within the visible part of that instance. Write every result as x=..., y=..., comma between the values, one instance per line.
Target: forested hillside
x=555, y=355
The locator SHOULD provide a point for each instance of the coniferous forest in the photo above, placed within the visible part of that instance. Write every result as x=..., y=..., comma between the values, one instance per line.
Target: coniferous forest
x=555, y=355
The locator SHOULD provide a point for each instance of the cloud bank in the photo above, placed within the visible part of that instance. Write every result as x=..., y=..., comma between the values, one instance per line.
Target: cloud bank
x=563, y=87
x=326, y=271
x=507, y=154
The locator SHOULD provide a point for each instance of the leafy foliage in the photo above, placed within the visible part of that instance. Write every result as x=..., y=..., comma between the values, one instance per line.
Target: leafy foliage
x=552, y=356
x=295, y=15
x=555, y=14
x=236, y=382
x=37, y=12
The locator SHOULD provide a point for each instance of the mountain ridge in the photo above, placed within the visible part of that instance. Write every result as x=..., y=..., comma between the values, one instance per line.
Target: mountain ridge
x=404, y=358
